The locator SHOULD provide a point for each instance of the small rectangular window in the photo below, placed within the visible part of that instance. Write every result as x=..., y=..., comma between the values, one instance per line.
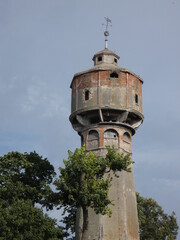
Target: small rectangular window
x=87, y=95
x=115, y=60
x=100, y=59
x=136, y=98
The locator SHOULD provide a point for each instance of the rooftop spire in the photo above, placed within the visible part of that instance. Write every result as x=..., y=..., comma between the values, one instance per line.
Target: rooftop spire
x=106, y=32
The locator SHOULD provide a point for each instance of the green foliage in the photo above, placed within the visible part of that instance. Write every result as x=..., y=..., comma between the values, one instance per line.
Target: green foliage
x=154, y=223
x=82, y=182
x=25, y=181
x=116, y=161
x=69, y=219
x=85, y=180
x=25, y=176
x=22, y=221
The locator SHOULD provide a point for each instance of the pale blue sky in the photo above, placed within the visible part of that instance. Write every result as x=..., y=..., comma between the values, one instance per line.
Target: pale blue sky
x=43, y=43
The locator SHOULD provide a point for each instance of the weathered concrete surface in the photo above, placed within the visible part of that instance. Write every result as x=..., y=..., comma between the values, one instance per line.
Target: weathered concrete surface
x=123, y=224
x=121, y=90
x=106, y=110
x=118, y=98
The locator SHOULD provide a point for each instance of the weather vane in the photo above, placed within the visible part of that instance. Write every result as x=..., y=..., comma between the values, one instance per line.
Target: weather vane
x=106, y=32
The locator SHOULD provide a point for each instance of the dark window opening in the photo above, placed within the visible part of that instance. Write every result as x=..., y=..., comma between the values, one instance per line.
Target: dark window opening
x=87, y=95
x=114, y=75
x=115, y=60
x=109, y=118
x=82, y=140
x=136, y=98
x=95, y=120
x=100, y=59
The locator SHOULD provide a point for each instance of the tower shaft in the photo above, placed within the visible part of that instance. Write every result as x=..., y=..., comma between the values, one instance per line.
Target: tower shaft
x=123, y=224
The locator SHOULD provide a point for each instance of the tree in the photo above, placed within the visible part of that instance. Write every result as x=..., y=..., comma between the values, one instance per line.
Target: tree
x=22, y=221
x=25, y=182
x=154, y=223
x=25, y=176
x=82, y=182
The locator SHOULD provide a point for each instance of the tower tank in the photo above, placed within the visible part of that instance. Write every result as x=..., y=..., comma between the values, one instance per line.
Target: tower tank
x=106, y=93
x=106, y=110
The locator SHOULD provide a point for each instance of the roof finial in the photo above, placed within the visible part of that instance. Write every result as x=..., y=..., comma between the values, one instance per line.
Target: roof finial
x=106, y=32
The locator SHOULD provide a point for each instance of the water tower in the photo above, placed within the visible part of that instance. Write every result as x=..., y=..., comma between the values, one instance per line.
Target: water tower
x=106, y=110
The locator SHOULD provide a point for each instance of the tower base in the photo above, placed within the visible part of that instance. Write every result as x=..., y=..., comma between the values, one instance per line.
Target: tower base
x=123, y=224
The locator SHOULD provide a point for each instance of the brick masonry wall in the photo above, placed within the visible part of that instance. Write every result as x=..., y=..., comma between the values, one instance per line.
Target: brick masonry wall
x=105, y=91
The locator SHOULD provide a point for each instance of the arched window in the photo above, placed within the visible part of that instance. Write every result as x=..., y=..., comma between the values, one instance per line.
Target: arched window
x=126, y=137
x=127, y=142
x=92, y=139
x=111, y=138
x=114, y=75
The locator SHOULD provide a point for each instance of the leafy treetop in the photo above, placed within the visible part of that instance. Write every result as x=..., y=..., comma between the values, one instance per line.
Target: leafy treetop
x=154, y=223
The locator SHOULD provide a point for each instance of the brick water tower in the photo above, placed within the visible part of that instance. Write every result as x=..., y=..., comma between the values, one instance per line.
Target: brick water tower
x=106, y=110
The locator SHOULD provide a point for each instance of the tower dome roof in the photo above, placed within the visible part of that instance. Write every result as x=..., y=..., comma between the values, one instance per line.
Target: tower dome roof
x=105, y=57
x=106, y=51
